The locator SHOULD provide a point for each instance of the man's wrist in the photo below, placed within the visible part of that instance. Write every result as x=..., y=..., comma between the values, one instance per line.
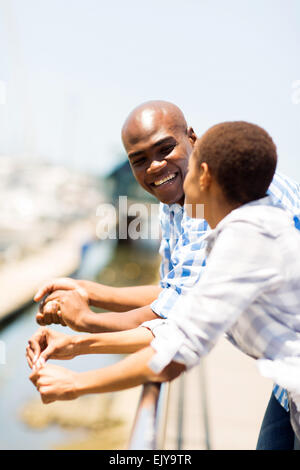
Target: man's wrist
x=83, y=283
x=88, y=323
x=97, y=293
x=86, y=285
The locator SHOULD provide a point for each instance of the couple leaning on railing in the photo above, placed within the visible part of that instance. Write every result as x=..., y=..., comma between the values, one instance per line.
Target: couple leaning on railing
x=231, y=272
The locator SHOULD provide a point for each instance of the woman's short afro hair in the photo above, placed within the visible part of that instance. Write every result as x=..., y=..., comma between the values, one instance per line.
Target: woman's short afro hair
x=242, y=158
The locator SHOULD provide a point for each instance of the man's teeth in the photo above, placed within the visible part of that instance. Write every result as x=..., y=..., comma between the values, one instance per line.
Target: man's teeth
x=168, y=178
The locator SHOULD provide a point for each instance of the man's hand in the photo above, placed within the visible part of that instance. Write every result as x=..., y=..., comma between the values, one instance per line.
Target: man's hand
x=48, y=344
x=55, y=383
x=63, y=283
x=67, y=307
x=115, y=299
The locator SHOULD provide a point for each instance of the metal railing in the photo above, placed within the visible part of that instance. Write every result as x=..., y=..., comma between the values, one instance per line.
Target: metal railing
x=149, y=431
x=149, y=426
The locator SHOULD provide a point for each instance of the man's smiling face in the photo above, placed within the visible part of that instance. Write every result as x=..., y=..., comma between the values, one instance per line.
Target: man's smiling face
x=158, y=145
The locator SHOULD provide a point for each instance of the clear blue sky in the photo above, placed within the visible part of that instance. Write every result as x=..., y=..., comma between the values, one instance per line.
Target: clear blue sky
x=75, y=68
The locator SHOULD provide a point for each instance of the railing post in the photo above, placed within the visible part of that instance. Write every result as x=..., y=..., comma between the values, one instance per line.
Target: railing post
x=149, y=425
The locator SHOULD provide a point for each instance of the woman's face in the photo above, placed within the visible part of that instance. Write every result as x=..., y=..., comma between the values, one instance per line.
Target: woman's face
x=194, y=200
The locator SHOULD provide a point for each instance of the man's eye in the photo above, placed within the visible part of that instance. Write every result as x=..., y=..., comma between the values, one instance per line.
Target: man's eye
x=167, y=150
x=139, y=161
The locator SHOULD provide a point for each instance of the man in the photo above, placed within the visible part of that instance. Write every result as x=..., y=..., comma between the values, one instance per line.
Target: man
x=158, y=142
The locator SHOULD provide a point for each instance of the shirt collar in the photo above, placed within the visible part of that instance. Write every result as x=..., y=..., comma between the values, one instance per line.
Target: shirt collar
x=173, y=208
x=264, y=201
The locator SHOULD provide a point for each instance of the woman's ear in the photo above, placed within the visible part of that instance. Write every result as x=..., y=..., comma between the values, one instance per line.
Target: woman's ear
x=205, y=176
x=191, y=135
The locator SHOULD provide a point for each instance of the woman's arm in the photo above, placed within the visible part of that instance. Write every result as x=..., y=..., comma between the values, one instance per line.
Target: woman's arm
x=57, y=383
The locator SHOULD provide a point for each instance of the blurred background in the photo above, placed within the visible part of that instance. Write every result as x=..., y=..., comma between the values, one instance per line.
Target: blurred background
x=70, y=72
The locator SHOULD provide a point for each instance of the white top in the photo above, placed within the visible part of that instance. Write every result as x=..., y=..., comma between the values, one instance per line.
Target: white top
x=249, y=289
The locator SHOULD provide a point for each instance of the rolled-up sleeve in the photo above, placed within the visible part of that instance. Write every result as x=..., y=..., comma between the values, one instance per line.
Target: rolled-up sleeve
x=238, y=270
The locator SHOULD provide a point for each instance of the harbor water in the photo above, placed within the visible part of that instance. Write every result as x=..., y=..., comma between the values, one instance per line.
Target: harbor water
x=25, y=423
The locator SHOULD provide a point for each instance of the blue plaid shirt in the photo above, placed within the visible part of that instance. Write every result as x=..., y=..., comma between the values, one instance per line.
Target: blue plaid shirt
x=183, y=250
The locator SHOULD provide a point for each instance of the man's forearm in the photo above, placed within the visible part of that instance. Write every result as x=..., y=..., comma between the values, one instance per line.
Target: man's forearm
x=119, y=299
x=115, y=321
x=122, y=342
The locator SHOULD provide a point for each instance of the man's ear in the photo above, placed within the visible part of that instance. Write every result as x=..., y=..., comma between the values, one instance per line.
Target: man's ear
x=191, y=135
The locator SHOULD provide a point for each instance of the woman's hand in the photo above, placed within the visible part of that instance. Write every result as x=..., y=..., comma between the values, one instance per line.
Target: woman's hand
x=55, y=383
x=48, y=344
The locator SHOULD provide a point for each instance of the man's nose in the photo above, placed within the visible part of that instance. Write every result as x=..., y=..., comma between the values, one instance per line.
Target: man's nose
x=156, y=166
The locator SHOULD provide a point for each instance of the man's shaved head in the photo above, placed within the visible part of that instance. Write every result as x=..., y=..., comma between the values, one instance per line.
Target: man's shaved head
x=144, y=118
x=158, y=143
